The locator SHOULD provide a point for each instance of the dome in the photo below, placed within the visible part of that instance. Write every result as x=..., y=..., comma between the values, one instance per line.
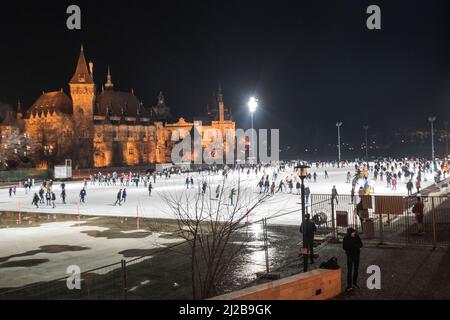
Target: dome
x=56, y=101
x=118, y=102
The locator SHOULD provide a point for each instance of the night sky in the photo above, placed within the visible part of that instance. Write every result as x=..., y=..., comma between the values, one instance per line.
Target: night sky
x=310, y=63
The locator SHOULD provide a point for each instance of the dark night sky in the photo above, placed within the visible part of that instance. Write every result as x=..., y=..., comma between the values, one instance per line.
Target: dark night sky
x=311, y=63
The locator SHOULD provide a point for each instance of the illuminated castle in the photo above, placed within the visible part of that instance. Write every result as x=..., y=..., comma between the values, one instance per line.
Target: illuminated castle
x=106, y=127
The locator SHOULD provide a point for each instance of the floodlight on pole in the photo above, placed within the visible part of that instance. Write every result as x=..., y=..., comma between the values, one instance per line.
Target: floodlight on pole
x=432, y=119
x=338, y=125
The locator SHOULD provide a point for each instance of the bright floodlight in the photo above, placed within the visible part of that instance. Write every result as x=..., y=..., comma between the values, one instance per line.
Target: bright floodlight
x=252, y=104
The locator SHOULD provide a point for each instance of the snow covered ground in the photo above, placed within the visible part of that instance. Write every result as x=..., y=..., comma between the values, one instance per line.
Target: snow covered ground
x=43, y=253
x=100, y=199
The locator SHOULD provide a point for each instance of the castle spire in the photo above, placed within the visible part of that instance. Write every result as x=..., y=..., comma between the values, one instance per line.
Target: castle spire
x=19, y=113
x=219, y=94
x=221, y=105
x=81, y=74
x=161, y=97
x=109, y=84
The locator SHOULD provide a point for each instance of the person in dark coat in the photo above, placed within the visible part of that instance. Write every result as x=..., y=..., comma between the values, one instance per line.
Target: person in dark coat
x=352, y=244
x=36, y=200
x=82, y=195
x=63, y=196
x=150, y=187
x=310, y=228
x=124, y=195
x=119, y=198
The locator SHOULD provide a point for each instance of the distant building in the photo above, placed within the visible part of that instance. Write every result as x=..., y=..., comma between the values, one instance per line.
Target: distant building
x=107, y=127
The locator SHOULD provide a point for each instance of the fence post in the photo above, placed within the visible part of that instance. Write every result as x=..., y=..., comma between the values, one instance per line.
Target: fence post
x=381, y=227
x=333, y=223
x=124, y=279
x=266, y=244
x=433, y=220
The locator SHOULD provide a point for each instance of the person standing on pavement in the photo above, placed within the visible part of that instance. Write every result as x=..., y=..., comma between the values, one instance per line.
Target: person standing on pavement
x=310, y=228
x=418, y=211
x=352, y=245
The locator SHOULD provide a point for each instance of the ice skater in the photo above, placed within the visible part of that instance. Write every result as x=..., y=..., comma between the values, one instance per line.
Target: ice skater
x=36, y=200
x=124, y=195
x=82, y=195
x=118, y=198
x=150, y=187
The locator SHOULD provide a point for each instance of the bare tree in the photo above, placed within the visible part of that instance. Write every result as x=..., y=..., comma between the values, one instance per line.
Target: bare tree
x=210, y=224
x=16, y=150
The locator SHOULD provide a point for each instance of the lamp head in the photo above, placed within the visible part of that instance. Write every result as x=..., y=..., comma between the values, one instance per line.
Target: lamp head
x=252, y=104
x=302, y=171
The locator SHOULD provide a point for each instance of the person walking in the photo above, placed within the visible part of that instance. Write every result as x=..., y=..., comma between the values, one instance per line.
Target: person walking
x=41, y=195
x=308, y=228
x=10, y=191
x=307, y=193
x=334, y=194
x=124, y=195
x=352, y=245
x=272, y=188
x=418, y=185
x=63, y=196
x=297, y=186
x=150, y=187
x=418, y=212
x=315, y=177
x=48, y=198
x=82, y=195
x=409, y=187
x=118, y=198
x=232, y=192
x=218, y=191
x=36, y=200
x=53, y=200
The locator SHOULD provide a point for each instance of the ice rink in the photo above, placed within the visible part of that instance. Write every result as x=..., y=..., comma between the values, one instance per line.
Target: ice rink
x=100, y=199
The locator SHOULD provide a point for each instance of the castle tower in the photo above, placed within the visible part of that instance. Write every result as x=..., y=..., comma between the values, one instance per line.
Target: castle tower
x=109, y=85
x=221, y=105
x=82, y=91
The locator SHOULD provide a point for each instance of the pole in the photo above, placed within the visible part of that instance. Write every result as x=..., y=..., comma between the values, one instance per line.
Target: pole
x=338, y=125
x=333, y=223
x=432, y=141
x=20, y=213
x=432, y=119
x=137, y=217
x=305, y=255
x=367, y=152
x=253, y=137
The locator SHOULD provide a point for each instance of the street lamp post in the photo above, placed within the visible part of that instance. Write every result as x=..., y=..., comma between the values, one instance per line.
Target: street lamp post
x=302, y=173
x=338, y=125
x=432, y=119
x=252, y=106
x=367, y=152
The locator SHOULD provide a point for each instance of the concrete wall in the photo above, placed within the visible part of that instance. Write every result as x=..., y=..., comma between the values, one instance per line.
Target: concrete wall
x=319, y=284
